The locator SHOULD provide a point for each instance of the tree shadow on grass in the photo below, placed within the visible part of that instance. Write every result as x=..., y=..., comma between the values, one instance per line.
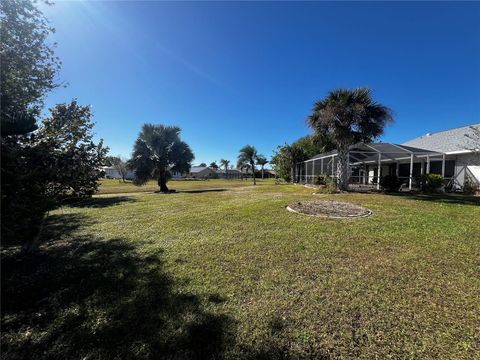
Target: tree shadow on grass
x=101, y=202
x=441, y=198
x=194, y=191
x=199, y=191
x=86, y=297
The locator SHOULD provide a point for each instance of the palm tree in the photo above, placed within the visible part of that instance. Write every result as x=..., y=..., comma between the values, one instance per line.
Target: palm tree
x=225, y=164
x=349, y=116
x=262, y=161
x=157, y=151
x=248, y=154
x=214, y=165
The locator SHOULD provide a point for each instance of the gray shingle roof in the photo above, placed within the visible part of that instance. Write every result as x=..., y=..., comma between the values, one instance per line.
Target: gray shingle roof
x=446, y=141
x=197, y=169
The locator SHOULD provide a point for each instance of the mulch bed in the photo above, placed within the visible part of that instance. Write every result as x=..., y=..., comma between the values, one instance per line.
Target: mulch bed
x=330, y=209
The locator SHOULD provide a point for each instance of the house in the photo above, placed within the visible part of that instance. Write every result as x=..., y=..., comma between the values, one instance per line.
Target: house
x=454, y=154
x=461, y=147
x=268, y=173
x=230, y=174
x=202, y=172
x=112, y=173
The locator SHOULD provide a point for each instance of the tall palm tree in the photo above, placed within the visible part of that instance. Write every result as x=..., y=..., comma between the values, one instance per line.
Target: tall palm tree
x=225, y=164
x=262, y=161
x=349, y=116
x=157, y=151
x=248, y=154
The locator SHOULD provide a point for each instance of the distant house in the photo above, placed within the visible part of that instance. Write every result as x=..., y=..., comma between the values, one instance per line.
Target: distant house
x=454, y=154
x=269, y=173
x=202, y=172
x=112, y=173
x=230, y=174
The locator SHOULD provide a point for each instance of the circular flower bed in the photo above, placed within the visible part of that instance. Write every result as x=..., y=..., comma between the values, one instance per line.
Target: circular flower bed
x=330, y=209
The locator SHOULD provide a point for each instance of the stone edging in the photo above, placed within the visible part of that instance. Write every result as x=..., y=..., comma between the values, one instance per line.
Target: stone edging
x=370, y=213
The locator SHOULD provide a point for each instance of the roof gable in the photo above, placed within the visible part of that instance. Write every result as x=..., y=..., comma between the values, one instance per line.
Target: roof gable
x=448, y=141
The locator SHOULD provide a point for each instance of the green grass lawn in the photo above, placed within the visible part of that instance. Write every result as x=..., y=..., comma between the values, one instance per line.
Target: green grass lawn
x=231, y=274
x=111, y=186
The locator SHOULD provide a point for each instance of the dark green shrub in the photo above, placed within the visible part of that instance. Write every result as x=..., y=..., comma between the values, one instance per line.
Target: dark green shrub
x=320, y=180
x=390, y=183
x=324, y=180
x=430, y=182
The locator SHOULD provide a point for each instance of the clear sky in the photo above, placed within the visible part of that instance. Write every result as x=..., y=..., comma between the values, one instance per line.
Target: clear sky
x=231, y=73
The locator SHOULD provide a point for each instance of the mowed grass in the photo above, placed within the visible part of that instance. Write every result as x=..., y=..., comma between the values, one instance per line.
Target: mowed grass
x=231, y=274
x=112, y=186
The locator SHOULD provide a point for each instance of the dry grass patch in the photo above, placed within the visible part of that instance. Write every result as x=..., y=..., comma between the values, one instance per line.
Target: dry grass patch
x=330, y=209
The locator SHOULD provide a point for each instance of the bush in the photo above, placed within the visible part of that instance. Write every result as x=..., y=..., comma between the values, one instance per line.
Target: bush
x=324, y=180
x=430, y=182
x=390, y=183
x=470, y=187
x=328, y=189
x=327, y=184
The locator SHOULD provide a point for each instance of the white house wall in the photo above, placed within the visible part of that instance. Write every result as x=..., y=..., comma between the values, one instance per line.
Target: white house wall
x=115, y=174
x=467, y=161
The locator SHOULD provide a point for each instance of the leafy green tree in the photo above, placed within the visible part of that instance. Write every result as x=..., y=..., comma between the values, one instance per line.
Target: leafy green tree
x=248, y=155
x=203, y=165
x=60, y=162
x=286, y=158
x=349, y=116
x=214, y=165
x=262, y=161
x=74, y=159
x=225, y=164
x=315, y=144
x=157, y=151
x=28, y=67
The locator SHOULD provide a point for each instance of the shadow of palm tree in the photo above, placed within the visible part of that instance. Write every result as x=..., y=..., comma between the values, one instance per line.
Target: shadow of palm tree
x=199, y=191
x=194, y=191
x=85, y=297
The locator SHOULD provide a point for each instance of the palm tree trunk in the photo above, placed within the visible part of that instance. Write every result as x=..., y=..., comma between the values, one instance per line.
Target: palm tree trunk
x=262, y=172
x=162, y=181
x=253, y=173
x=342, y=167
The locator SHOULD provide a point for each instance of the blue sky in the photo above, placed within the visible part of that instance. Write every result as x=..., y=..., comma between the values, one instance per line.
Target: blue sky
x=231, y=73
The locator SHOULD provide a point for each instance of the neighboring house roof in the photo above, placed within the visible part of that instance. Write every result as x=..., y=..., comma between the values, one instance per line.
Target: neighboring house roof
x=197, y=169
x=448, y=141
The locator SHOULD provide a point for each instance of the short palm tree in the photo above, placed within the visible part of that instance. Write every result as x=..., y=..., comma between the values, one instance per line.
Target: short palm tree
x=349, y=116
x=248, y=154
x=157, y=151
x=262, y=161
x=214, y=165
x=225, y=164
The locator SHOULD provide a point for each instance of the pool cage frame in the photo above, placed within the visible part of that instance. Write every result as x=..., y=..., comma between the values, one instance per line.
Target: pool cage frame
x=365, y=160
